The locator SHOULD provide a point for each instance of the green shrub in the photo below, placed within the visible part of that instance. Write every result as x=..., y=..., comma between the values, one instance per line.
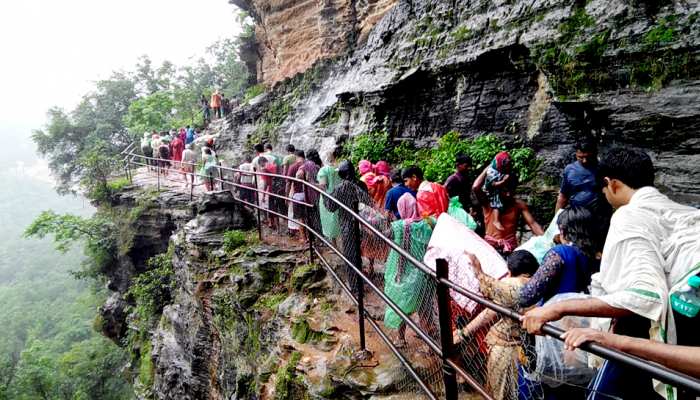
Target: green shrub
x=253, y=92
x=152, y=290
x=483, y=148
x=269, y=301
x=403, y=154
x=664, y=32
x=285, y=385
x=118, y=184
x=438, y=163
x=146, y=371
x=372, y=146
x=233, y=240
x=525, y=163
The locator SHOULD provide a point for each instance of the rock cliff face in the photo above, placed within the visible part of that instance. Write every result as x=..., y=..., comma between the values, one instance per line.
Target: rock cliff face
x=293, y=34
x=246, y=322
x=538, y=71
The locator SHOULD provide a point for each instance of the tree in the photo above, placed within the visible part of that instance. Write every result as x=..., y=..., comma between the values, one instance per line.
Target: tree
x=97, y=232
x=149, y=80
x=152, y=112
x=96, y=123
x=231, y=74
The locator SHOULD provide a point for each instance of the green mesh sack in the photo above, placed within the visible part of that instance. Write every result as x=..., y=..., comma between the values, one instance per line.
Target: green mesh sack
x=456, y=211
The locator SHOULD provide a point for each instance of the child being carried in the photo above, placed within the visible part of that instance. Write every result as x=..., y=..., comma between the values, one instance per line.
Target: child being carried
x=498, y=176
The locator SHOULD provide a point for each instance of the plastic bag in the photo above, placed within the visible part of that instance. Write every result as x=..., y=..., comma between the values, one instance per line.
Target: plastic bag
x=556, y=365
x=540, y=245
x=456, y=211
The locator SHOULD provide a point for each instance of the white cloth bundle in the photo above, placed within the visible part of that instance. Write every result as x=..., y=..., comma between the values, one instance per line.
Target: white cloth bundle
x=449, y=241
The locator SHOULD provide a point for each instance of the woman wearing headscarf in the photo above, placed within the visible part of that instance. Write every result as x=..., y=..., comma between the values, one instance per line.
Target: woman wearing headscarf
x=348, y=191
x=366, y=169
x=381, y=184
x=382, y=168
x=328, y=179
x=567, y=267
x=308, y=171
x=164, y=155
x=146, y=147
x=276, y=186
x=377, y=184
x=404, y=282
x=209, y=164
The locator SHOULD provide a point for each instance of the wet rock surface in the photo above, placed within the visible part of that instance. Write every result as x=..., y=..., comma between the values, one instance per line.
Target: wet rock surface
x=256, y=321
x=539, y=72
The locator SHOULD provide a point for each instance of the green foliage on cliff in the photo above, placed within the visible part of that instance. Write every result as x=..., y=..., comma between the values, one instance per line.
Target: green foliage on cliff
x=253, y=92
x=233, y=240
x=372, y=146
x=97, y=233
x=663, y=32
x=149, y=292
x=438, y=162
x=153, y=289
x=266, y=128
x=590, y=56
x=286, y=387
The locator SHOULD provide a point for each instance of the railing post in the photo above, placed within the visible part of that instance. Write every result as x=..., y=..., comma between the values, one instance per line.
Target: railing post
x=191, y=183
x=128, y=171
x=359, y=282
x=221, y=177
x=445, y=318
x=158, y=174
x=257, y=203
x=311, y=247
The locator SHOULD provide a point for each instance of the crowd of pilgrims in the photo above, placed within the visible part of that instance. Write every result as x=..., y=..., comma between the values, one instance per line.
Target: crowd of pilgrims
x=630, y=266
x=624, y=262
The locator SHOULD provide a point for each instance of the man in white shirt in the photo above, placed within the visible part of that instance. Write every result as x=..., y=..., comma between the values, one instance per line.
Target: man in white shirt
x=638, y=267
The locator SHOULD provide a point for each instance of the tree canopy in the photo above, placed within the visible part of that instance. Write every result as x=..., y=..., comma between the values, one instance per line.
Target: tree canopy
x=119, y=109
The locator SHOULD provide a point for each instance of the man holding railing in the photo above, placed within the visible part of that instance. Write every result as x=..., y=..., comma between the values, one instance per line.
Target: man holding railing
x=638, y=266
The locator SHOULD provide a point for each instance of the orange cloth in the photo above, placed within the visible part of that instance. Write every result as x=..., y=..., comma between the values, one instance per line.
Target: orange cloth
x=215, y=100
x=382, y=184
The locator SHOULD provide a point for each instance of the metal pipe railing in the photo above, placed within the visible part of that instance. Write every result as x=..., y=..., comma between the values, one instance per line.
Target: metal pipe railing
x=361, y=313
x=449, y=365
x=655, y=370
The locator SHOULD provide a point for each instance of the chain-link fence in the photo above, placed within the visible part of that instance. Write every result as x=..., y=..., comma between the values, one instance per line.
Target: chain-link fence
x=452, y=342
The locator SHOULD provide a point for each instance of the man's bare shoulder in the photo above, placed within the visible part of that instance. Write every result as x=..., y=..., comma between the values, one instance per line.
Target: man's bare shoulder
x=521, y=205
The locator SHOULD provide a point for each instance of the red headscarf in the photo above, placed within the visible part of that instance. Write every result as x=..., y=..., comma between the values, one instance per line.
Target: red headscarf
x=502, y=162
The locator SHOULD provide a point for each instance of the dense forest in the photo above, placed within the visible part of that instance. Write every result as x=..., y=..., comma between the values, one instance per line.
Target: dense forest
x=49, y=348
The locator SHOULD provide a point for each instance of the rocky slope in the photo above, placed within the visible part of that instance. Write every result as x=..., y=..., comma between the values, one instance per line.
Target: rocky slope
x=542, y=72
x=252, y=321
